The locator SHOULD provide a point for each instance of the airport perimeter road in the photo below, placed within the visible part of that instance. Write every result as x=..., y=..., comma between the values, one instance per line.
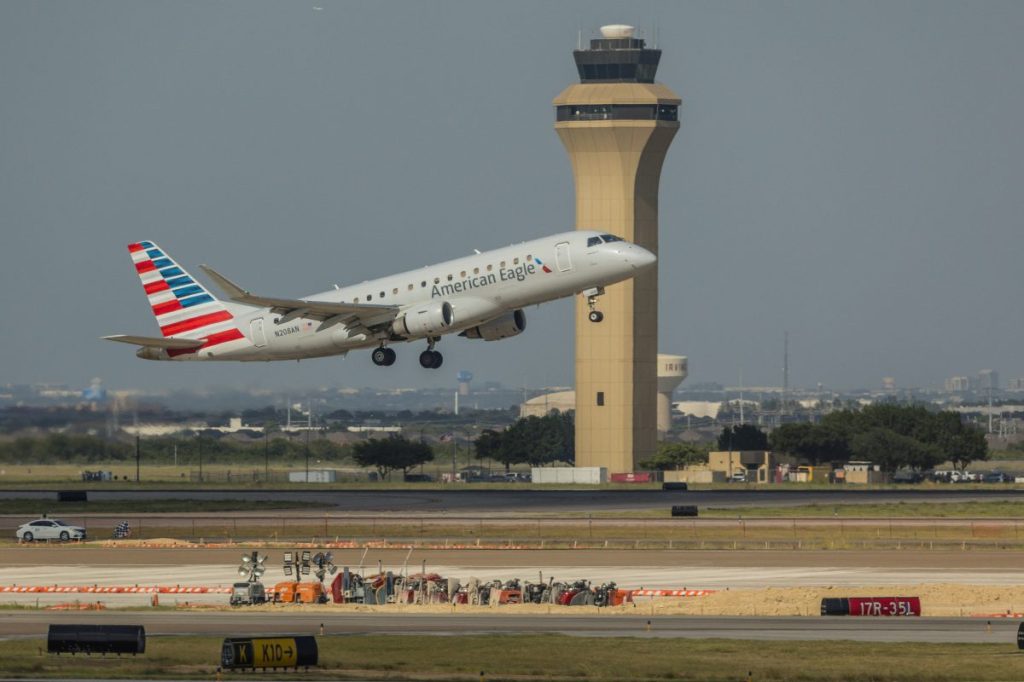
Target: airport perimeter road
x=481, y=501
x=241, y=623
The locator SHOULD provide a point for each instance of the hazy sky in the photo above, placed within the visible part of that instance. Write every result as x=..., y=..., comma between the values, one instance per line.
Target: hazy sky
x=849, y=171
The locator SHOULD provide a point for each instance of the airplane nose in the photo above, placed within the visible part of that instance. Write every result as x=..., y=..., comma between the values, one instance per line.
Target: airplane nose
x=641, y=258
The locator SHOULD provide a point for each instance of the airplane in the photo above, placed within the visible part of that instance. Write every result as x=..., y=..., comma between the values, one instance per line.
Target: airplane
x=480, y=296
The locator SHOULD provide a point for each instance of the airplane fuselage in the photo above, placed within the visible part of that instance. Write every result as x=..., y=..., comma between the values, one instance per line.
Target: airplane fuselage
x=479, y=296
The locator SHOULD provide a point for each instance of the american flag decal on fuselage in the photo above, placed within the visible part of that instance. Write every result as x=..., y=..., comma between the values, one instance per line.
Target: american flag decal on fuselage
x=182, y=306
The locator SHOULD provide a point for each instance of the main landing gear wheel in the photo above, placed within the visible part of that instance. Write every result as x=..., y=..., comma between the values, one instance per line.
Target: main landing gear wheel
x=431, y=359
x=383, y=356
x=595, y=316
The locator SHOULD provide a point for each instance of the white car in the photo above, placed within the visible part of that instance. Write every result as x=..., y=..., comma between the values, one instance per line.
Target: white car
x=49, y=529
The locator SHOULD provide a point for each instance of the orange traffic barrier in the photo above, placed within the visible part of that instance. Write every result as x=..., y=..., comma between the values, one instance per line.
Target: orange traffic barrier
x=77, y=606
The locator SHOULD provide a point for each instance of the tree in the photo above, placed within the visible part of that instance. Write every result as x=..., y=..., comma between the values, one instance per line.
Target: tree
x=488, y=445
x=676, y=456
x=390, y=454
x=742, y=437
x=812, y=443
x=891, y=450
x=531, y=440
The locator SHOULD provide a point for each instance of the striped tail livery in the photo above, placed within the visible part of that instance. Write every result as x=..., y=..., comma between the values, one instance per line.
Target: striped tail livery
x=192, y=321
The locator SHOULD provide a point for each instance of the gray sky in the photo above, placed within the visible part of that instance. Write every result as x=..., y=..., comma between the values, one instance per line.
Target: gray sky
x=849, y=171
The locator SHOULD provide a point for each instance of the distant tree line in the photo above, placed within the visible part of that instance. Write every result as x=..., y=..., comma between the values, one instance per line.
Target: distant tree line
x=891, y=436
x=58, y=448
x=531, y=440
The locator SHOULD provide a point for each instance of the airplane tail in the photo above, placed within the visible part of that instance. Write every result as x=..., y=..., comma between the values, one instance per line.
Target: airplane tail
x=183, y=307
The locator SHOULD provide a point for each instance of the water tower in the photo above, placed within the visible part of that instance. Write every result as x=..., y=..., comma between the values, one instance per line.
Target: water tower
x=464, y=377
x=672, y=370
x=617, y=124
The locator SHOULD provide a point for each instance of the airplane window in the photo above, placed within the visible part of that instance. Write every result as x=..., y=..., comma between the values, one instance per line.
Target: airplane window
x=382, y=294
x=515, y=261
x=489, y=267
x=354, y=300
x=476, y=271
x=502, y=264
x=529, y=258
x=593, y=241
x=450, y=278
x=395, y=291
x=423, y=283
x=462, y=274
x=437, y=280
x=411, y=286
x=611, y=238
x=369, y=297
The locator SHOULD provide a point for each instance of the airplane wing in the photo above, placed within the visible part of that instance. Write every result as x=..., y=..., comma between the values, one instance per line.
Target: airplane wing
x=317, y=310
x=151, y=342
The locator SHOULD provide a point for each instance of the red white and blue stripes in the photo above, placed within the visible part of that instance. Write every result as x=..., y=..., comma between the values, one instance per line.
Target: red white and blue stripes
x=182, y=306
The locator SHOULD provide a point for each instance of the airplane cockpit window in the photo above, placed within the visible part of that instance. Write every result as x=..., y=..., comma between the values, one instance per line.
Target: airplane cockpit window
x=593, y=241
x=611, y=238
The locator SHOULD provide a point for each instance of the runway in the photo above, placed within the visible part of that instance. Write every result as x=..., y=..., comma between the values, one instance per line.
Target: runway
x=701, y=570
x=497, y=501
x=241, y=623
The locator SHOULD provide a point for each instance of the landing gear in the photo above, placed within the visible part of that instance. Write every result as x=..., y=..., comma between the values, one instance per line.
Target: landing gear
x=431, y=359
x=383, y=356
x=594, y=315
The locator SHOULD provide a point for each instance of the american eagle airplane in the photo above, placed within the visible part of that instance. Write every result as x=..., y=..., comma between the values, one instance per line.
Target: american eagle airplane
x=479, y=297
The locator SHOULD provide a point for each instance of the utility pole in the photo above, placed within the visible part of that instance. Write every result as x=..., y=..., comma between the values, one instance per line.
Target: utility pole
x=785, y=372
x=266, y=454
x=309, y=425
x=138, y=454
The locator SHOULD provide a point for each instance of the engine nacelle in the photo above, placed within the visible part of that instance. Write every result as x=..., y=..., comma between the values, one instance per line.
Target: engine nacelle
x=432, y=319
x=509, y=324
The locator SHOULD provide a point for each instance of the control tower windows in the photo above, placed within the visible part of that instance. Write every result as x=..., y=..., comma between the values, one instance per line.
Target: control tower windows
x=617, y=112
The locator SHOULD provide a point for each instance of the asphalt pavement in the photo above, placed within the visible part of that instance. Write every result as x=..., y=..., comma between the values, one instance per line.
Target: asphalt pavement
x=243, y=623
x=467, y=499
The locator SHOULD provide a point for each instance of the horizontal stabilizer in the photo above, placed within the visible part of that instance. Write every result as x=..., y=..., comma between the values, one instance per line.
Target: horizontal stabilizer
x=313, y=309
x=151, y=342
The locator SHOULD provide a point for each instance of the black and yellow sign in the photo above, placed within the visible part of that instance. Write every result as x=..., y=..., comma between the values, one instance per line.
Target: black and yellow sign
x=277, y=652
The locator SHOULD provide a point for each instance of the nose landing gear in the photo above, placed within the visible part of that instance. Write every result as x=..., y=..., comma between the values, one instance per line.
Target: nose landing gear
x=383, y=356
x=594, y=315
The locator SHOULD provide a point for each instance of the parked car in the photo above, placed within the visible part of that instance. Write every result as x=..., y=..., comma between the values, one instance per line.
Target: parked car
x=908, y=477
x=49, y=529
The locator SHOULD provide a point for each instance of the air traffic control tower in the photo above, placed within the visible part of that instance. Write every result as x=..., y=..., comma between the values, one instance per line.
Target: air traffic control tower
x=616, y=124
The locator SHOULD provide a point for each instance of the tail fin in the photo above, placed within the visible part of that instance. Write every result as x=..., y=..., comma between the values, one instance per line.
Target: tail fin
x=182, y=306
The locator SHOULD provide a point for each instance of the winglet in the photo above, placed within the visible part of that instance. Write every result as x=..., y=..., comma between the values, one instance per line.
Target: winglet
x=230, y=289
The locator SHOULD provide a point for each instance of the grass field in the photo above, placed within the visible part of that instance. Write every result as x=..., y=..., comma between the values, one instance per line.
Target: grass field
x=553, y=657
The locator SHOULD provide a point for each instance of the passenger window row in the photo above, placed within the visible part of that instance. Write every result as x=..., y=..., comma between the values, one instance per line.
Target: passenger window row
x=437, y=280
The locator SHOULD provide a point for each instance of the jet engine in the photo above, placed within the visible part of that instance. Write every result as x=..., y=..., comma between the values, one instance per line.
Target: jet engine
x=509, y=324
x=432, y=319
